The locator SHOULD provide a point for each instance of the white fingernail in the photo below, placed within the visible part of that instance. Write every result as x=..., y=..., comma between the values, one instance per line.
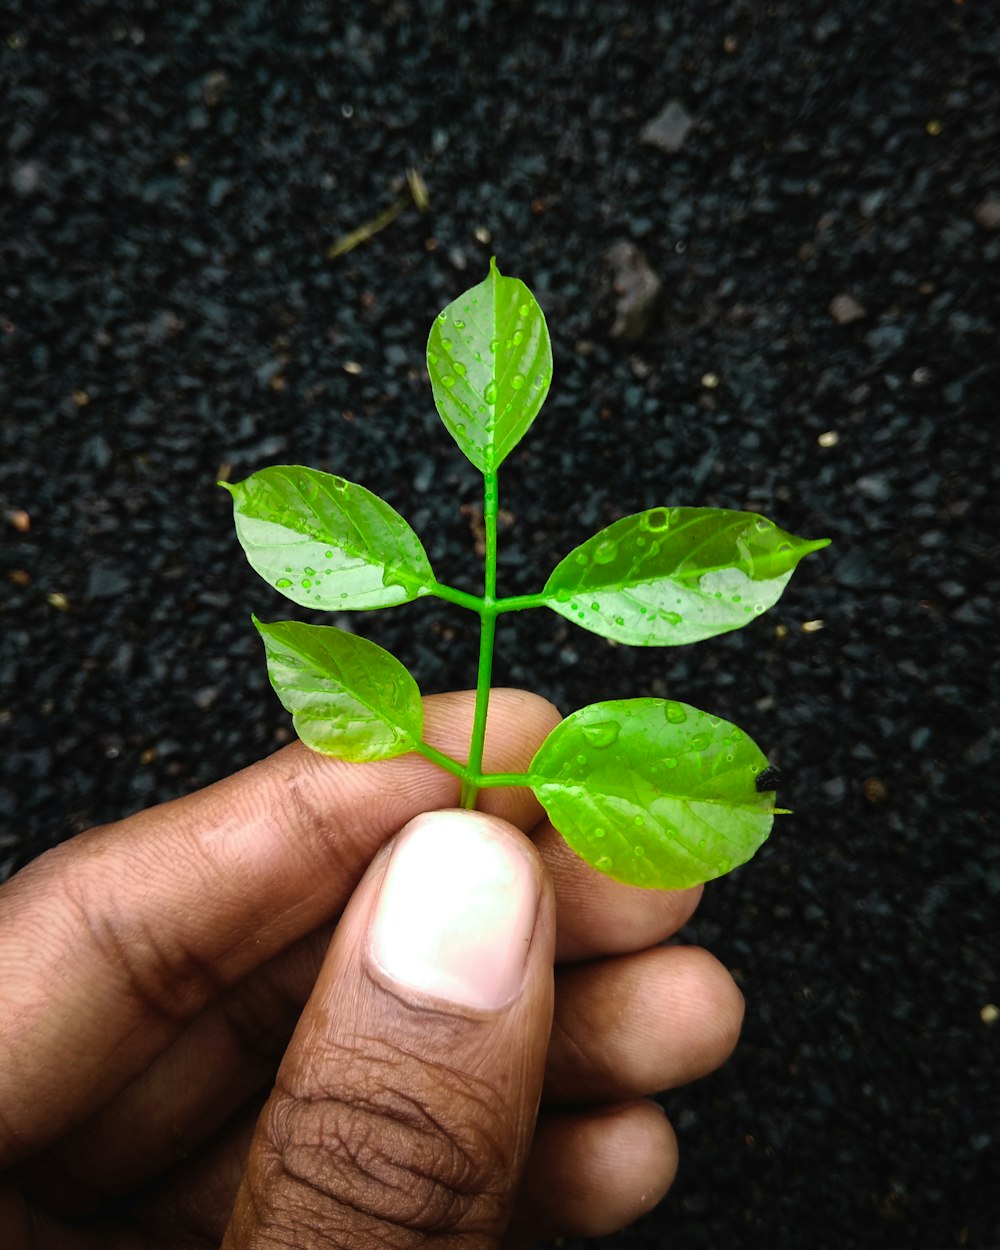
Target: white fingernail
x=456, y=910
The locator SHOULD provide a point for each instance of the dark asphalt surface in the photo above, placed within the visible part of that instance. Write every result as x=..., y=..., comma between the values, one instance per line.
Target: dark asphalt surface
x=170, y=179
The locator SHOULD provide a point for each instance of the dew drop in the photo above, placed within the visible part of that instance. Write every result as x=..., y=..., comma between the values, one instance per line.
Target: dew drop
x=701, y=841
x=328, y=554
x=723, y=866
x=446, y=344
x=764, y=525
x=442, y=316
x=432, y=358
x=619, y=620
x=672, y=618
x=283, y=582
x=639, y=821
x=338, y=483
x=599, y=832
x=494, y=344
x=448, y=380
x=581, y=558
x=517, y=338
x=517, y=381
x=604, y=863
x=639, y=851
x=524, y=310
x=699, y=742
x=459, y=325
x=602, y=733
x=309, y=572
x=605, y=552
x=490, y=394
x=458, y=367
x=676, y=714
x=563, y=595
x=306, y=583
x=657, y=519
x=669, y=762
x=595, y=607
x=784, y=547
x=581, y=759
x=758, y=607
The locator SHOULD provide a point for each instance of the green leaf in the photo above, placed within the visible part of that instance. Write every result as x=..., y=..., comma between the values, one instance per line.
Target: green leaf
x=669, y=576
x=327, y=543
x=653, y=792
x=348, y=697
x=490, y=365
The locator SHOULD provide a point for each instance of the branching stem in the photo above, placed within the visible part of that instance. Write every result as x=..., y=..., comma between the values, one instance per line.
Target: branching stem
x=487, y=635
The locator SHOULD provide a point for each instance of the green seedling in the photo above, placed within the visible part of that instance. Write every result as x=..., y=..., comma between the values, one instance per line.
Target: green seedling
x=649, y=791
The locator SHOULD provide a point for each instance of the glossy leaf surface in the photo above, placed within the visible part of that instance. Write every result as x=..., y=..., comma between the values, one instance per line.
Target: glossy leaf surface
x=327, y=543
x=490, y=365
x=654, y=792
x=669, y=576
x=348, y=697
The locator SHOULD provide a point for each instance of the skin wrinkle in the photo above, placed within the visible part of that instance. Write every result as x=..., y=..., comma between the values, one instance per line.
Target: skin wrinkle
x=380, y=1138
x=439, y=1203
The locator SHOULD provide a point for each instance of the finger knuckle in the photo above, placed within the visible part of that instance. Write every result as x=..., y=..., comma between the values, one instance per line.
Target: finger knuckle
x=369, y=1153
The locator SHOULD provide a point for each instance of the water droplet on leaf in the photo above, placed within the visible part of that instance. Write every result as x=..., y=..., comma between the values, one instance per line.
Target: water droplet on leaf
x=605, y=552
x=517, y=381
x=657, y=519
x=699, y=742
x=282, y=582
x=604, y=863
x=458, y=367
x=490, y=394
x=602, y=733
x=675, y=713
x=449, y=380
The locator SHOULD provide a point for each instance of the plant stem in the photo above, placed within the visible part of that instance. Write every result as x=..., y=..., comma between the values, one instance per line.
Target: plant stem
x=487, y=634
x=442, y=760
x=489, y=780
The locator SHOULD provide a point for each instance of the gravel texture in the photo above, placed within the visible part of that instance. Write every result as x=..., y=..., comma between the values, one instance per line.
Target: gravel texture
x=822, y=221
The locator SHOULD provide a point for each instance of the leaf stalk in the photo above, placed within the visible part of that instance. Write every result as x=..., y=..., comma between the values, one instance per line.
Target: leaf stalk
x=487, y=637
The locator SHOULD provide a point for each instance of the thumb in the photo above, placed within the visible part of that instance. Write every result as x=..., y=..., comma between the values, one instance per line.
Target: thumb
x=405, y=1105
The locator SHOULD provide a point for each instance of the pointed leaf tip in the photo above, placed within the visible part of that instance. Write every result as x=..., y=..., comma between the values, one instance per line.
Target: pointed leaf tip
x=670, y=576
x=328, y=543
x=489, y=360
x=348, y=696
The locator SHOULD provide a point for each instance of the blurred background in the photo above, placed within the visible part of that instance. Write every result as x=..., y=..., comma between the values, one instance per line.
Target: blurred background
x=766, y=237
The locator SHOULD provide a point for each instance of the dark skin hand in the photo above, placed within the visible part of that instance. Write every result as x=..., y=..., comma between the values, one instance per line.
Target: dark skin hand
x=257, y=1017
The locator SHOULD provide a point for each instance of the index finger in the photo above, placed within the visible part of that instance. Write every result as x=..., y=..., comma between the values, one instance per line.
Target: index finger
x=112, y=942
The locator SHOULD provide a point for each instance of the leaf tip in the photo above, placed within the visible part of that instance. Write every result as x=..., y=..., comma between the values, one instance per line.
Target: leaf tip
x=227, y=486
x=493, y=267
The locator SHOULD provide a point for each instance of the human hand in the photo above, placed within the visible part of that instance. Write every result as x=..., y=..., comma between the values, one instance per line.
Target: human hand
x=187, y=1059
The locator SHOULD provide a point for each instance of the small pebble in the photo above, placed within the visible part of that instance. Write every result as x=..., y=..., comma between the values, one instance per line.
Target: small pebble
x=844, y=309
